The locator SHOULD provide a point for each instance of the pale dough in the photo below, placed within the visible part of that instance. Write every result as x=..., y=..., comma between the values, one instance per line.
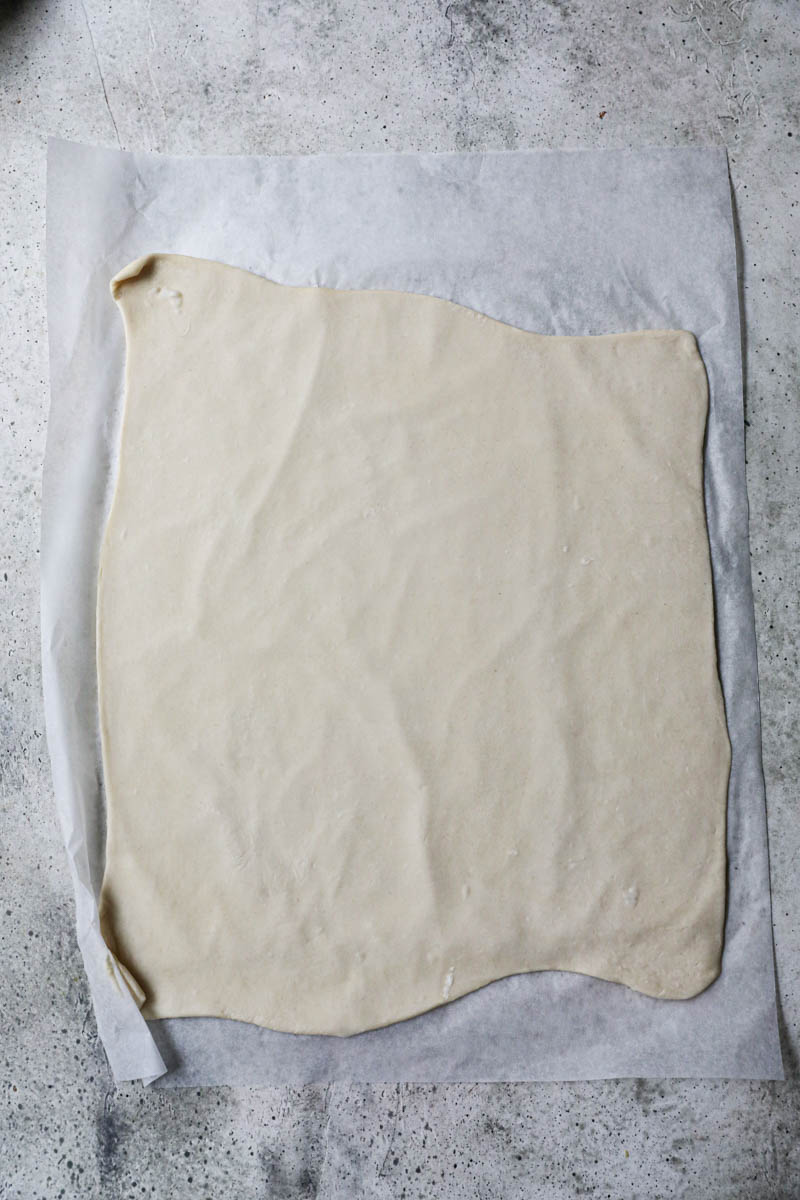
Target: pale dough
x=406, y=655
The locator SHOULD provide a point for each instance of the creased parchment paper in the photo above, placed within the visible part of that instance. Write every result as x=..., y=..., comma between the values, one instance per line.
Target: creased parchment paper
x=579, y=242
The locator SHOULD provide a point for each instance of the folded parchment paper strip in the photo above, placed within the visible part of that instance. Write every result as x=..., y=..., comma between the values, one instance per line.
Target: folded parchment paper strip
x=557, y=242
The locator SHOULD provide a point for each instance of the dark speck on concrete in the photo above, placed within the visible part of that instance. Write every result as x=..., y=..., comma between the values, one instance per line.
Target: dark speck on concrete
x=108, y=1141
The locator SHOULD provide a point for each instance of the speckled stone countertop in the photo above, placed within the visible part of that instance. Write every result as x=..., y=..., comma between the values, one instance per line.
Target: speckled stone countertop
x=297, y=76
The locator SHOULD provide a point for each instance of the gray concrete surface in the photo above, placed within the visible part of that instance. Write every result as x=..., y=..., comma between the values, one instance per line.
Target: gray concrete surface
x=277, y=76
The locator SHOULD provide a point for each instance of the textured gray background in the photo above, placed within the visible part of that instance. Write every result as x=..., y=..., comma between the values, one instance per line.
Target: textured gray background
x=271, y=76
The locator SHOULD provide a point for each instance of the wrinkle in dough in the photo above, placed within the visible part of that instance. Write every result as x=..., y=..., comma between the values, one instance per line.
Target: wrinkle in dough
x=406, y=655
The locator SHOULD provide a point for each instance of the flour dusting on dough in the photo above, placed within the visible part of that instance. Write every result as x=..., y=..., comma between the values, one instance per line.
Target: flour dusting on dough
x=173, y=297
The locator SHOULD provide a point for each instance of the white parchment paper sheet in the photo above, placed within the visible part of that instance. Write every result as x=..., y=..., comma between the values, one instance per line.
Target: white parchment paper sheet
x=578, y=242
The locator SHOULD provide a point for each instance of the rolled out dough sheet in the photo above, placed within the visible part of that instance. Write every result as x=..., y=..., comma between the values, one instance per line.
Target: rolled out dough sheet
x=406, y=655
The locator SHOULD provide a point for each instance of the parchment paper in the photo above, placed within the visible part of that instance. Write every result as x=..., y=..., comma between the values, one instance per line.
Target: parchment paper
x=577, y=242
